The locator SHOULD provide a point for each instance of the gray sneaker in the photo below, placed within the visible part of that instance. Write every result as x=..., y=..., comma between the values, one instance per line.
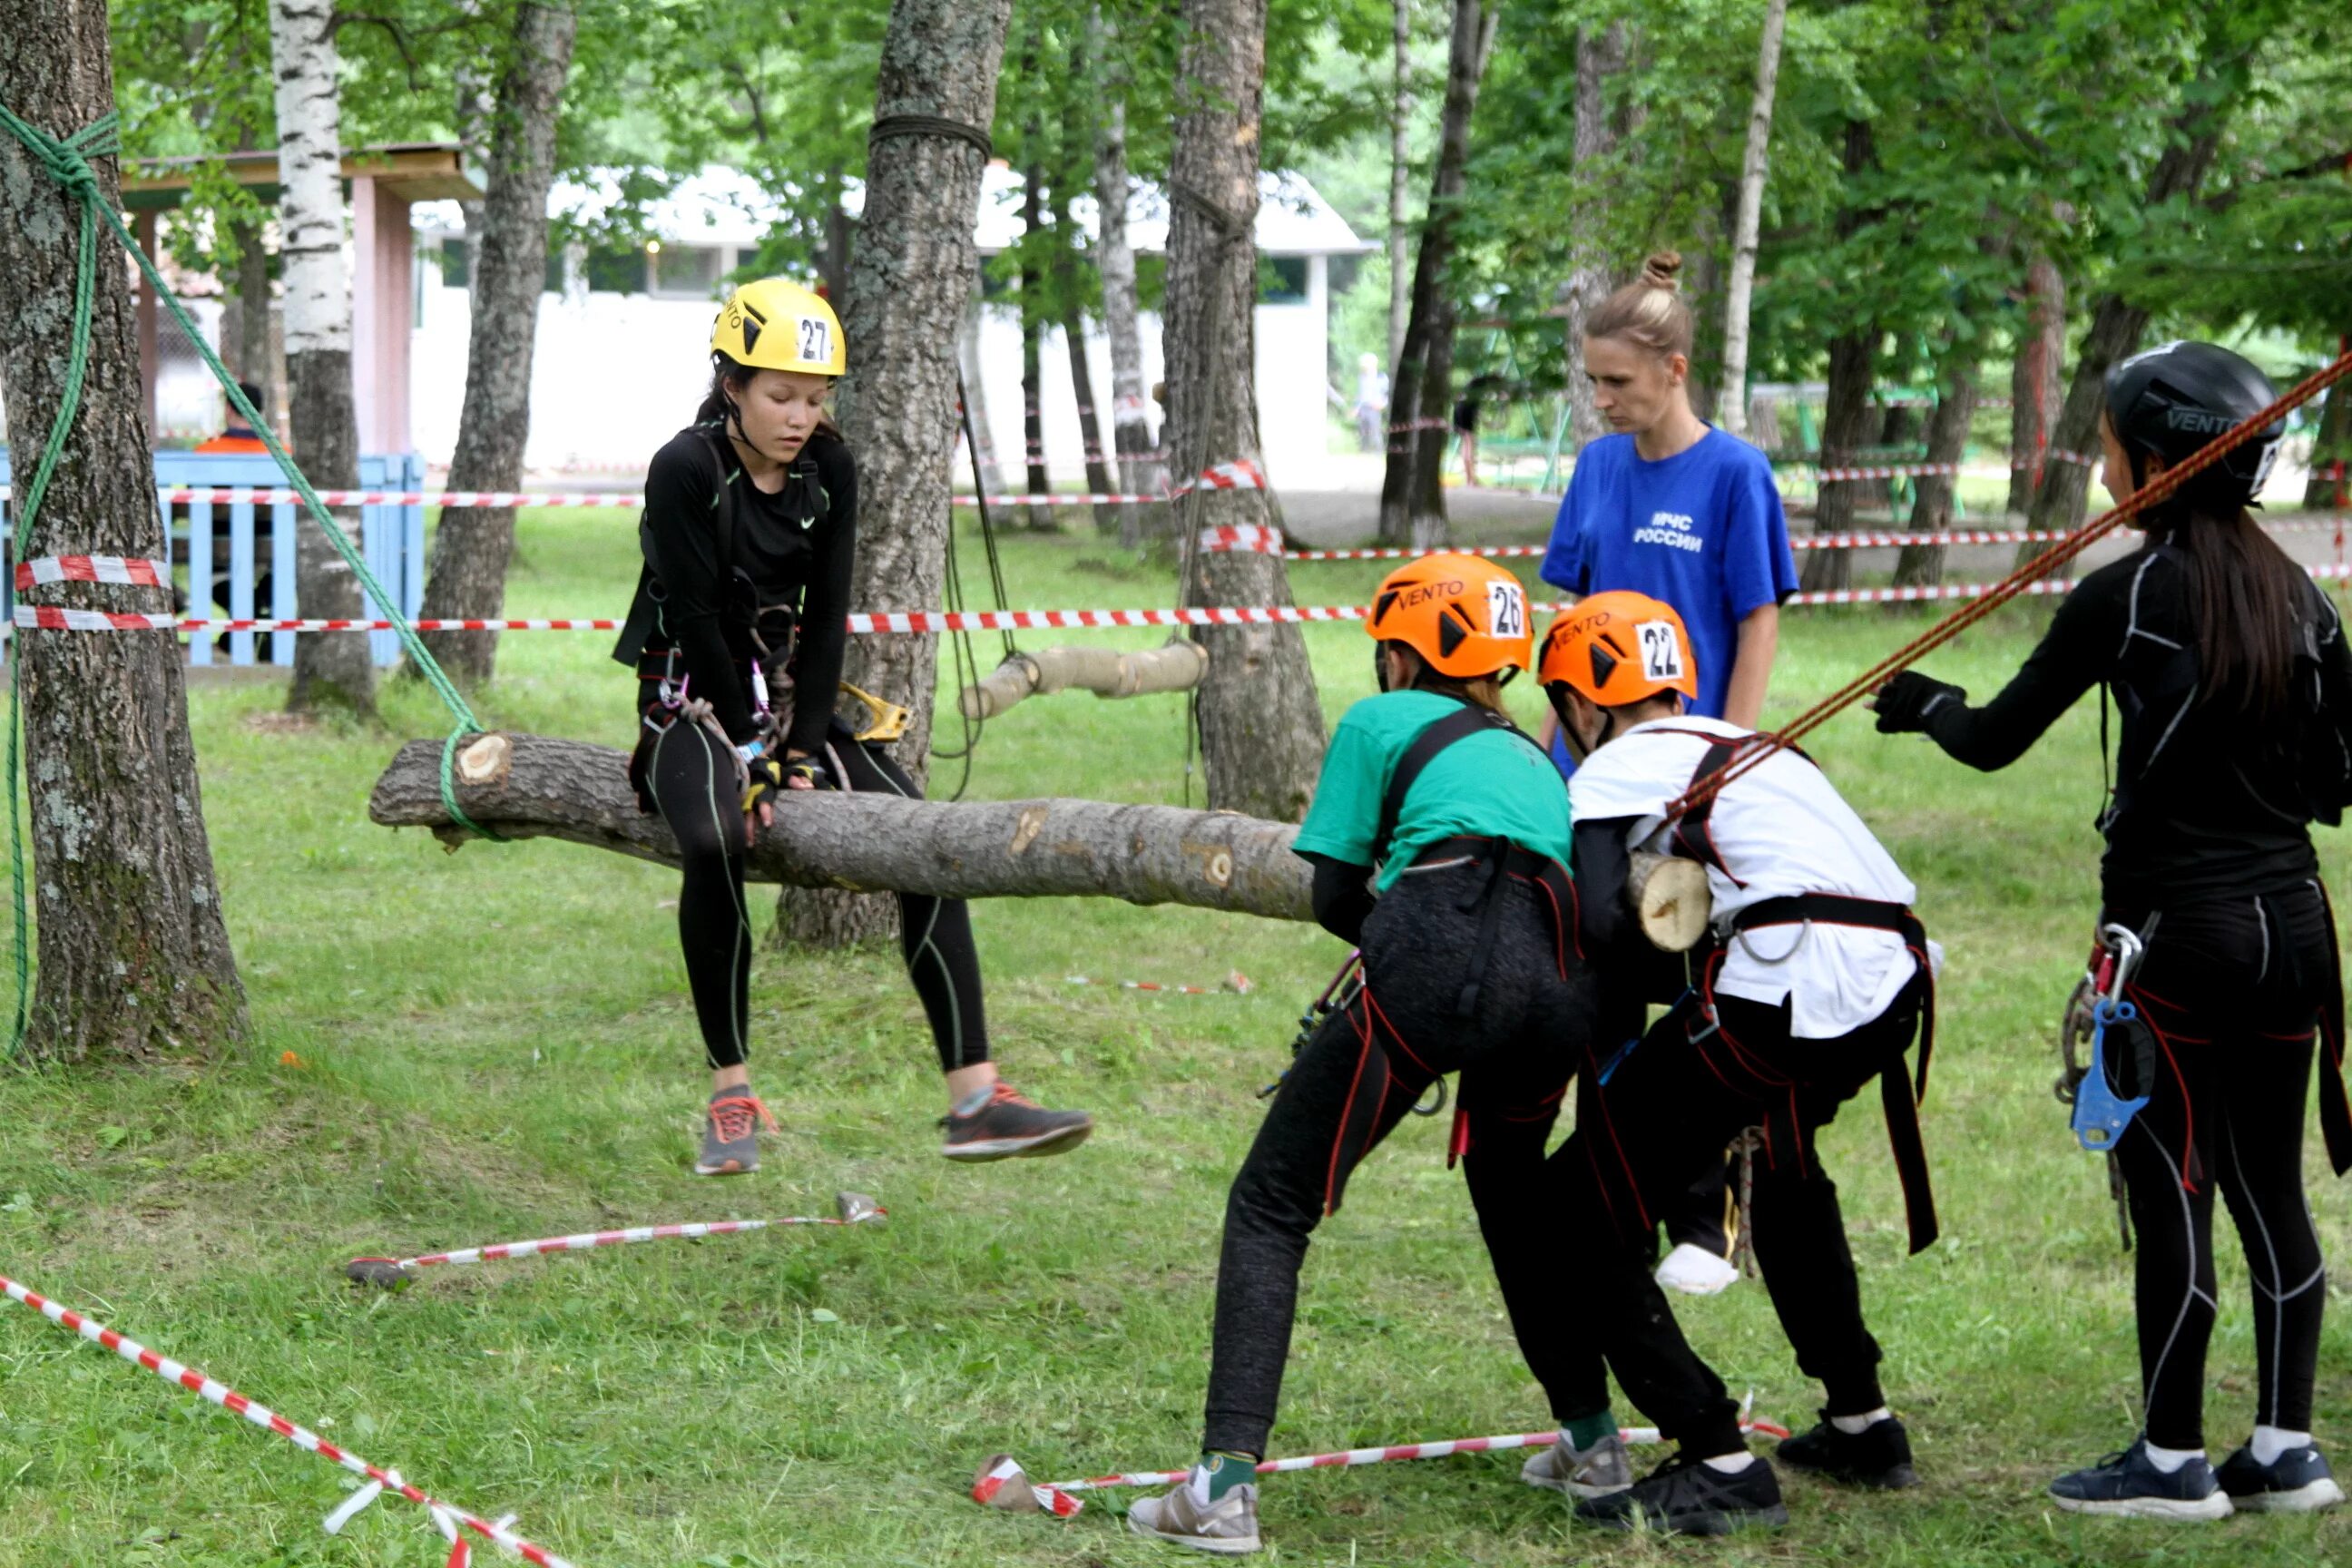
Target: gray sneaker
x=1227, y=1527
x=730, y=1133
x=1597, y=1471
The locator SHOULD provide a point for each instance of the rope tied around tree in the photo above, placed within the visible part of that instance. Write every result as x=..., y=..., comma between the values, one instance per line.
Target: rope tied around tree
x=67, y=161
x=2154, y=493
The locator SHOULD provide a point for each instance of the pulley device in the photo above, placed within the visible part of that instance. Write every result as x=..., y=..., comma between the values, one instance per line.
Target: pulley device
x=2097, y=1011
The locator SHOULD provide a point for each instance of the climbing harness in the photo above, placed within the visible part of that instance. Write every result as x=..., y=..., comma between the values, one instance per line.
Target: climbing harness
x=1345, y=988
x=2100, y=1114
x=67, y=161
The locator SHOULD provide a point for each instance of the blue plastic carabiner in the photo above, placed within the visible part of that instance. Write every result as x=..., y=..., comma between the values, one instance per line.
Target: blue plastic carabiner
x=2100, y=1114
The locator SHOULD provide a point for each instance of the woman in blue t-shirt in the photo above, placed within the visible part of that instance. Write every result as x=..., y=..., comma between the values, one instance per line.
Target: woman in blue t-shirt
x=1671, y=507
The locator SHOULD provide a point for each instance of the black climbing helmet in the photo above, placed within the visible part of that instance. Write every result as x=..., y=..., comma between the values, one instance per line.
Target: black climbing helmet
x=2172, y=400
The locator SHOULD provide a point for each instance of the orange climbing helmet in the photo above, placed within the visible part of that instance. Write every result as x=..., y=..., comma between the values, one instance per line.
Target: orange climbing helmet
x=1618, y=648
x=1465, y=617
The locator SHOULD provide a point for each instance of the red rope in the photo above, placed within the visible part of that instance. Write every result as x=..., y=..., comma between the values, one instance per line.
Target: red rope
x=2154, y=493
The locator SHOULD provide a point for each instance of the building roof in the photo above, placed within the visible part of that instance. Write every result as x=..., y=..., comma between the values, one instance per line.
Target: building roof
x=413, y=170
x=723, y=206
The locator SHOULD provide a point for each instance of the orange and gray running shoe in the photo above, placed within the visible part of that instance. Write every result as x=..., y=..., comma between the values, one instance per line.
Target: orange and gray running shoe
x=1005, y=1126
x=730, y=1133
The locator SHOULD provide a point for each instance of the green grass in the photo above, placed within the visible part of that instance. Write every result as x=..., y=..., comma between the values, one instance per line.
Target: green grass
x=498, y=1044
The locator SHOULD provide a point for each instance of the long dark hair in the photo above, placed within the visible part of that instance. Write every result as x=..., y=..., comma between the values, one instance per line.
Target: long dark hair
x=729, y=377
x=2245, y=595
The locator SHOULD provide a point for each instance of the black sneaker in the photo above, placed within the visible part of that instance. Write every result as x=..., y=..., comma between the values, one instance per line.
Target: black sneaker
x=2126, y=1484
x=2297, y=1481
x=1877, y=1456
x=1686, y=1497
x=1007, y=1126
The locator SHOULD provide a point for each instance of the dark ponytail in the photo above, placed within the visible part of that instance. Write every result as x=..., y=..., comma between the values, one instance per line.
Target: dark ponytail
x=2245, y=595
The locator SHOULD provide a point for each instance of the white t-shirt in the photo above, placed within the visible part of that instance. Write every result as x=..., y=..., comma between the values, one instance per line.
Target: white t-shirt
x=1782, y=830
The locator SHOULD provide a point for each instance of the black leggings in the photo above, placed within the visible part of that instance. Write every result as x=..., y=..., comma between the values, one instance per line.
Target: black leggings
x=2233, y=991
x=693, y=781
x=1365, y=1068
x=1658, y=1127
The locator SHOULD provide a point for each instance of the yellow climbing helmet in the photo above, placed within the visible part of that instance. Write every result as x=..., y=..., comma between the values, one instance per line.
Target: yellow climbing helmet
x=775, y=323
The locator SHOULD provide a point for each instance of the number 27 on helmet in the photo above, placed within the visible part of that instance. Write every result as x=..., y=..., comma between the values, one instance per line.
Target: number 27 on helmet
x=775, y=323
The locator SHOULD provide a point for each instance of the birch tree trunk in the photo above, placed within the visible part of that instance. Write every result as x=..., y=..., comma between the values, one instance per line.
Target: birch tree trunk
x=330, y=668
x=2116, y=328
x=1732, y=415
x=473, y=545
x=1922, y=565
x=2035, y=385
x=1601, y=54
x=2324, y=488
x=988, y=473
x=135, y=959
x=1115, y=258
x=912, y=275
x=1413, y=496
x=1261, y=725
x=1400, y=190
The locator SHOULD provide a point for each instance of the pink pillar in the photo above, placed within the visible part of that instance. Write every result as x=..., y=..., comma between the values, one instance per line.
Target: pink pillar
x=382, y=305
x=143, y=228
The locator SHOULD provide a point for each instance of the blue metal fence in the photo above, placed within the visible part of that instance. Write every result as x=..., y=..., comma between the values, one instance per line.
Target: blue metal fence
x=237, y=560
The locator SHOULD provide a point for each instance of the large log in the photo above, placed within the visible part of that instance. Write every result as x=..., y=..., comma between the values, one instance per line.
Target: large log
x=529, y=786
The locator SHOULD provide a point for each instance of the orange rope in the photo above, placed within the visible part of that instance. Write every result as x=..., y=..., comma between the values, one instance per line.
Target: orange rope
x=2161, y=489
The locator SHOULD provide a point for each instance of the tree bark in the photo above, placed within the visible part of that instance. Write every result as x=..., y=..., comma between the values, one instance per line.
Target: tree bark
x=330, y=668
x=2034, y=383
x=2331, y=453
x=1033, y=282
x=1922, y=565
x=988, y=473
x=1732, y=413
x=134, y=960
x=912, y=275
x=1412, y=494
x=1076, y=153
x=1844, y=423
x=2116, y=328
x=476, y=111
x=529, y=786
x=1082, y=387
x=473, y=545
x=1261, y=725
x=1399, y=186
x=1115, y=258
x=1600, y=55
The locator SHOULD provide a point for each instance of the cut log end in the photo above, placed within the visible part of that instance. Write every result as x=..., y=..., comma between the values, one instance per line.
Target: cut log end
x=1670, y=900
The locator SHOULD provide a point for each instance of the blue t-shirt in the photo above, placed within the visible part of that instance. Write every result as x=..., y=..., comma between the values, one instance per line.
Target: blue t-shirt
x=1702, y=530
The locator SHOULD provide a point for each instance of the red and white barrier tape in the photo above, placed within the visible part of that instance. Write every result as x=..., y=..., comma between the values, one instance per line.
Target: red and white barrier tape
x=130, y=570
x=1235, y=984
x=228, y=1398
x=50, y=617
x=855, y=1208
x=1251, y=537
x=1055, y=1498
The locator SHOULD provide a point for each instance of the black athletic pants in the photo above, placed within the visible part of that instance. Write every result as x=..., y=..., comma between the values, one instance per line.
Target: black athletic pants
x=693, y=781
x=2233, y=991
x=1658, y=1127
x=1364, y=1068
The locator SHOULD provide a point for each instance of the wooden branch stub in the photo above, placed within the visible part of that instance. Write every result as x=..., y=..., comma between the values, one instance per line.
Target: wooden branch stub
x=527, y=786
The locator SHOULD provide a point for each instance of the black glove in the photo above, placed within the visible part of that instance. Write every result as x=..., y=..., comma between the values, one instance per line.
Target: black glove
x=1905, y=702
x=766, y=777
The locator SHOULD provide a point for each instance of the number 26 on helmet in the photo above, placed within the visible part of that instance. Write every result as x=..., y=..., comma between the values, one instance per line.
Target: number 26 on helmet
x=1465, y=617
x=1617, y=648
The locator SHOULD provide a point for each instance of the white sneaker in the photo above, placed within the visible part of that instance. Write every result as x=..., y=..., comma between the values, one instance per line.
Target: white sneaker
x=1695, y=1271
x=1228, y=1527
x=1596, y=1471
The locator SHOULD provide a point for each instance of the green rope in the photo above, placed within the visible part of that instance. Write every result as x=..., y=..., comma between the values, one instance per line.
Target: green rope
x=66, y=161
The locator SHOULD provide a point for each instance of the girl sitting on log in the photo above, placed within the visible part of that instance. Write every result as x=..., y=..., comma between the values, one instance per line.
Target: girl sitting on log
x=1439, y=837
x=737, y=634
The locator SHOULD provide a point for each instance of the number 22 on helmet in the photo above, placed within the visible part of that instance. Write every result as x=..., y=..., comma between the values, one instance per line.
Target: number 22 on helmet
x=1615, y=650
x=1465, y=617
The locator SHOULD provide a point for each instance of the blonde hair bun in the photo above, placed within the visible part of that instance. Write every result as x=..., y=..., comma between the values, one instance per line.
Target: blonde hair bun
x=1658, y=271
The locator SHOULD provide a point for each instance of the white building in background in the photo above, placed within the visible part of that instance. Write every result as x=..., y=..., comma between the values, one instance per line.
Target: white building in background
x=621, y=361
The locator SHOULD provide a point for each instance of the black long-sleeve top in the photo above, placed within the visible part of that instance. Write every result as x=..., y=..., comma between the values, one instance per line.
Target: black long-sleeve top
x=794, y=548
x=2207, y=799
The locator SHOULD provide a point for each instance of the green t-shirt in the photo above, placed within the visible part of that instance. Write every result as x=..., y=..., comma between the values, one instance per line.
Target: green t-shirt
x=1491, y=784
